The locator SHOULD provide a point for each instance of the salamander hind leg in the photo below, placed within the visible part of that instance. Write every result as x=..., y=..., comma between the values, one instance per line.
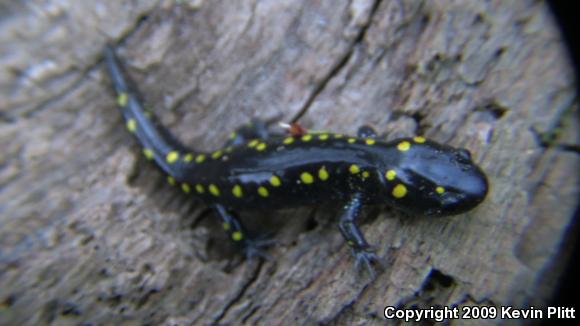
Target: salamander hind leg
x=253, y=248
x=353, y=236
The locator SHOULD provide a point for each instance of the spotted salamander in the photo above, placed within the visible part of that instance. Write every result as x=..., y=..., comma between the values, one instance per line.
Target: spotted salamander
x=256, y=169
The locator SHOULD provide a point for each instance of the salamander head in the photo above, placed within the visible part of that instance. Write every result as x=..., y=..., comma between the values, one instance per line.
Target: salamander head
x=435, y=180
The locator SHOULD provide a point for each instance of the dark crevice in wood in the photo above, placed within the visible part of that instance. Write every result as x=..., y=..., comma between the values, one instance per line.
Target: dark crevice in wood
x=419, y=117
x=549, y=138
x=74, y=85
x=139, y=22
x=251, y=280
x=468, y=299
x=436, y=286
x=437, y=278
x=8, y=301
x=6, y=118
x=496, y=110
x=70, y=309
x=572, y=148
x=251, y=313
x=347, y=308
x=311, y=222
x=145, y=298
x=205, y=213
x=50, y=102
x=422, y=126
x=340, y=64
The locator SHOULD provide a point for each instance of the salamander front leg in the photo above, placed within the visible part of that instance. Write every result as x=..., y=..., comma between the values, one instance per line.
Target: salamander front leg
x=354, y=237
x=256, y=129
x=366, y=131
x=236, y=232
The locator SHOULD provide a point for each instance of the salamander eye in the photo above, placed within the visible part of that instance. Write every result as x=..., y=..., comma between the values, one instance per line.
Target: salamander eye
x=463, y=155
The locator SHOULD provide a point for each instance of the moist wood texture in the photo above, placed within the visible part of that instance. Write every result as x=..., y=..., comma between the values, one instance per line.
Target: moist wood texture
x=91, y=232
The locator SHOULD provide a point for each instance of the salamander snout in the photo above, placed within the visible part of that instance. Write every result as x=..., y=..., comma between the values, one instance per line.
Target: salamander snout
x=465, y=193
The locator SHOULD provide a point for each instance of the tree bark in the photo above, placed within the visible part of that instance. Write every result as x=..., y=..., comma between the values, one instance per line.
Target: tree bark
x=90, y=231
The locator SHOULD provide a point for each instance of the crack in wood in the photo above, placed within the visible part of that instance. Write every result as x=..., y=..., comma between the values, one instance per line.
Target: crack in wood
x=340, y=64
x=46, y=103
x=549, y=138
x=76, y=83
x=240, y=294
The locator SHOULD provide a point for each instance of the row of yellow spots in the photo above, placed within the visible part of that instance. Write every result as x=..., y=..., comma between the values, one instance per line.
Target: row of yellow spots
x=406, y=145
x=308, y=178
x=399, y=191
x=260, y=146
x=324, y=136
x=355, y=169
x=403, y=146
x=174, y=156
x=237, y=190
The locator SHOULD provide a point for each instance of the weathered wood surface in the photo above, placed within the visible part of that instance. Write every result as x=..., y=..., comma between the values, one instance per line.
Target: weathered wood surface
x=90, y=232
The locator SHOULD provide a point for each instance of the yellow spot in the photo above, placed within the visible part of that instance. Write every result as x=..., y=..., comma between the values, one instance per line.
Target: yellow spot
x=275, y=181
x=351, y=140
x=188, y=157
x=404, y=146
x=323, y=174
x=171, y=180
x=200, y=158
x=237, y=191
x=288, y=140
x=366, y=174
x=172, y=157
x=370, y=141
x=307, y=178
x=253, y=143
x=186, y=188
x=226, y=226
x=122, y=99
x=350, y=243
x=233, y=135
x=323, y=137
x=199, y=188
x=354, y=169
x=399, y=191
x=213, y=189
x=338, y=136
x=440, y=190
x=237, y=236
x=261, y=147
x=419, y=139
x=148, y=153
x=132, y=125
x=307, y=137
x=216, y=154
x=391, y=175
x=263, y=191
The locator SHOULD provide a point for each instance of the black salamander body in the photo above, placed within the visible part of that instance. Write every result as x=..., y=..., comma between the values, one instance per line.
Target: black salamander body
x=257, y=170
